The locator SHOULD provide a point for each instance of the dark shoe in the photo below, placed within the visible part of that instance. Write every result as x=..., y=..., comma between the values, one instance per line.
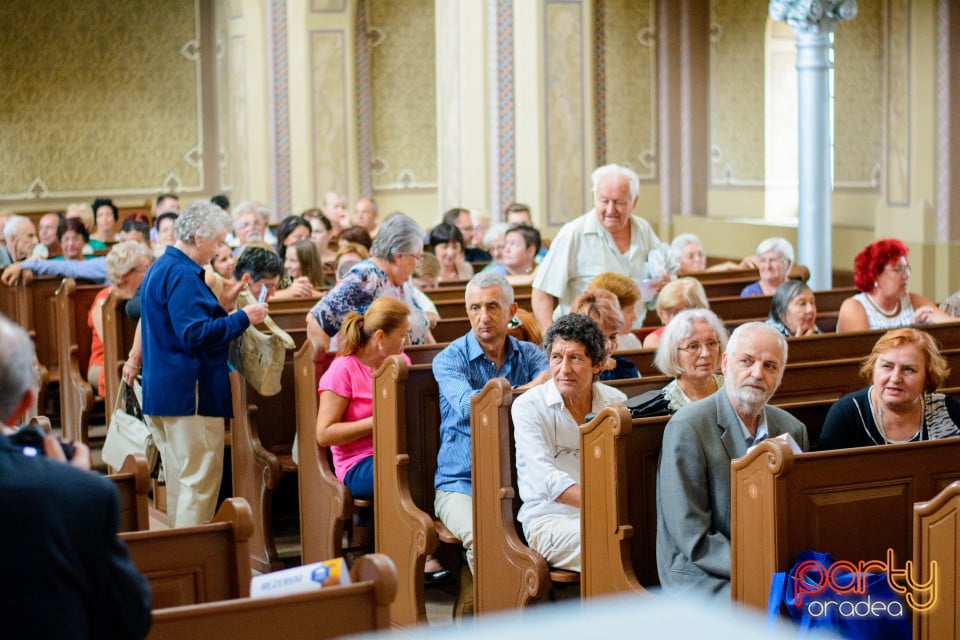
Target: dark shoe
x=434, y=578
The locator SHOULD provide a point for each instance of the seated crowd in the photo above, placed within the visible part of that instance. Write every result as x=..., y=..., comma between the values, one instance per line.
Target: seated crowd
x=369, y=281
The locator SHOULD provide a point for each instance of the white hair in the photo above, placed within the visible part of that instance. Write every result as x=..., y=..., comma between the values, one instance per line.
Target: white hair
x=615, y=170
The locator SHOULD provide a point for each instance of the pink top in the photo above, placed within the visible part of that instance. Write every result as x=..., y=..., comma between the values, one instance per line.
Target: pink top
x=349, y=378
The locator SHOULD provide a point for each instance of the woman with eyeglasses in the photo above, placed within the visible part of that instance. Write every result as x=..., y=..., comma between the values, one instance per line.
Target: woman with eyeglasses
x=395, y=253
x=690, y=352
x=881, y=273
x=774, y=257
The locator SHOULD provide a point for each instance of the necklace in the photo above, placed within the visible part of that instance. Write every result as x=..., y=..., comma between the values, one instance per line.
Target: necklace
x=884, y=312
x=877, y=409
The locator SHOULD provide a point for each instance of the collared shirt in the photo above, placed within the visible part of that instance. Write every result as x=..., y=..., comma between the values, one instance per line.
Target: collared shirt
x=761, y=433
x=548, y=447
x=461, y=370
x=582, y=250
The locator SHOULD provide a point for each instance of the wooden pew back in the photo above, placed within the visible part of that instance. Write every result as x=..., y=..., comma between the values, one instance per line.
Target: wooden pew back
x=73, y=339
x=854, y=504
x=118, y=333
x=203, y=563
x=325, y=503
x=507, y=573
x=936, y=530
x=406, y=412
x=133, y=485
x=362, y=606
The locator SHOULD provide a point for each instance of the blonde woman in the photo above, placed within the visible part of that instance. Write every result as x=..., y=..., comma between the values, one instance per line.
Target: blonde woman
x=676, y=296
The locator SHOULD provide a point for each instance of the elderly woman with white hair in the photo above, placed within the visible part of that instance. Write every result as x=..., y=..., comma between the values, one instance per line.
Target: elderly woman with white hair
x=127, y=263
x=689, y=351
x=774, y=258
x=186, y=337
x=688, y=251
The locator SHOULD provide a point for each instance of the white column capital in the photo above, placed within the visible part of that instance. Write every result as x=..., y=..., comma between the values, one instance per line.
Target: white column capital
x=812, y=16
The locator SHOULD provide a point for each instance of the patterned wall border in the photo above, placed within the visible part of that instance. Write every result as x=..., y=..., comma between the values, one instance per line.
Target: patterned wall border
x=317, y=193
x=942, y=108
x=279, y=108
x=600, y=80
x=364, y=116
x=503, y=108
x=890, y=97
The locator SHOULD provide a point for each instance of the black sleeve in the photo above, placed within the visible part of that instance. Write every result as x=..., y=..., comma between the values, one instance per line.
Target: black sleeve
x=123, y=594
x=953, y=408
x=132, y=307
x=840, y=426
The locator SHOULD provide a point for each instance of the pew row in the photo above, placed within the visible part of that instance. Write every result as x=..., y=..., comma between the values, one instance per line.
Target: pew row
x=133, y=484
x=936, y=532
x=203, y=563
x=406, y=412
x=833, y=501
x=118, y=333
x=362, y=606
x=73, y=341
x=507, y=573
x=325, y=503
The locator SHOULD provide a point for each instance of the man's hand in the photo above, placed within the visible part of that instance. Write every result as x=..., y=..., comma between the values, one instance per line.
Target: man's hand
x=541, y=377
x=81, y=453
x=11, y=273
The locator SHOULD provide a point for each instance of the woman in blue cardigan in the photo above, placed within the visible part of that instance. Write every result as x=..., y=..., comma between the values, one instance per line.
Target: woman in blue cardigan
x=186, y=336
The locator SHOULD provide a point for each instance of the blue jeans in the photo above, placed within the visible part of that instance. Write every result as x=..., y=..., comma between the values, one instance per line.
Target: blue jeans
x=359, y=479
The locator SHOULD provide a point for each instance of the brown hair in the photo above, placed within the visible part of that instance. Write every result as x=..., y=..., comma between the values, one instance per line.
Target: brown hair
x=935, y=367
x=310, y=264
x=622, y=286
x=601, y=305
x=384, y=314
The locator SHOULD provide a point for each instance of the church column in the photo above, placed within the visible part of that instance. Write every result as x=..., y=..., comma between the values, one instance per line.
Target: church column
x=813, y=23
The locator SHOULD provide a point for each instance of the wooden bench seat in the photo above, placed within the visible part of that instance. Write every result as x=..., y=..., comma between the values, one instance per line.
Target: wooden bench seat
x=854, y=504
x=202, y=563
x=362, y=606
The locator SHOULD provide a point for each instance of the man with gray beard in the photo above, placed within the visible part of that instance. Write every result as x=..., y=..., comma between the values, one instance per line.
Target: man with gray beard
x=693, y=480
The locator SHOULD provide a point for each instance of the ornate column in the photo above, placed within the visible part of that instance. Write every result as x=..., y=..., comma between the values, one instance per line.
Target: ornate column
x=813, y=21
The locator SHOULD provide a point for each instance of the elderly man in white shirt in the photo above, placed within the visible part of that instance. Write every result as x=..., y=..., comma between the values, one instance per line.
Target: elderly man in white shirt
x=607, y=238
x=546, y=423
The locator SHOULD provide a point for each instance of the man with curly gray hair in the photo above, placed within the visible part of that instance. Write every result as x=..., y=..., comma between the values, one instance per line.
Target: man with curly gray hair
x=186, y=338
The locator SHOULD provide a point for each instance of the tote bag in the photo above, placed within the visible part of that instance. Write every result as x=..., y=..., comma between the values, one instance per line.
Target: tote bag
x=128, y=433
x=259, y=356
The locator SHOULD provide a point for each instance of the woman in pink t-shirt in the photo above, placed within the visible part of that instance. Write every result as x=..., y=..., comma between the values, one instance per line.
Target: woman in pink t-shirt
x=345, y=416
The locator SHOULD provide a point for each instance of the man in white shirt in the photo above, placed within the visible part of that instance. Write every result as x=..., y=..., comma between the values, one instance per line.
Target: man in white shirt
x=607, y=238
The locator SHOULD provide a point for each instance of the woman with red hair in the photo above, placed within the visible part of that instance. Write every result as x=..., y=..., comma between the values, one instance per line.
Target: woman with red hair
x=881, y=273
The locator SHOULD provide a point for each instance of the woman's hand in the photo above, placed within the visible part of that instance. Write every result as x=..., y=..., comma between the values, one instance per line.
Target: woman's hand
x=302, y=288
x=924, y=315
x=256, y=312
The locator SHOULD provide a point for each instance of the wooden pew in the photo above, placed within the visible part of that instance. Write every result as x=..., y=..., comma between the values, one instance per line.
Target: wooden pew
x=618, y=474
x=362, y=606
x=449, y=292
x=118, y=332
x=71, y=305
x=449, y=329
x=936, y=530
x=325, y=503
x=405, y=461
x=261, y=439
x=457, y=308
x=507, y=573
x=133, y=484
x=854, y=504
x=203, y=563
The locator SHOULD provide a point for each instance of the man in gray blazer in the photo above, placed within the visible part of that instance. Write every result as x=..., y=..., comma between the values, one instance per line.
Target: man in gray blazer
x=693, y=480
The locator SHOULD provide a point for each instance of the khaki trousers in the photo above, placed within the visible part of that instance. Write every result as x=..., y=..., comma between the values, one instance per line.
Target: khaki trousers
x=191, y=448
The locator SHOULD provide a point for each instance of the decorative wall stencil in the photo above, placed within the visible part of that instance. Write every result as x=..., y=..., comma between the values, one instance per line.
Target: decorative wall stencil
x=736, y=95
x=506, y=106
x=364, y=115
x=279, y=109
x=104, y=110
x=328, y=107
x=564, y=62
x=403, y=89
x=37, y=188
x=858, y=104
x=630, y=62
x=898, y=104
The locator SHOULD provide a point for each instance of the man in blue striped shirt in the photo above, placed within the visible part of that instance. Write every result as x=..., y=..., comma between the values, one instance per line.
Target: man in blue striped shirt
x=461, y=370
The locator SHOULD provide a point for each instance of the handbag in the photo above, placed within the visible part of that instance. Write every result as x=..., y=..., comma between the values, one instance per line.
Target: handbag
x=259, y=356
x=128, y=433
x=848, y=614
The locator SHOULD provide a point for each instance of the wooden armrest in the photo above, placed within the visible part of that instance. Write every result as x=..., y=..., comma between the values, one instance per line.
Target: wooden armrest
x=564, y=576
x=444, y=534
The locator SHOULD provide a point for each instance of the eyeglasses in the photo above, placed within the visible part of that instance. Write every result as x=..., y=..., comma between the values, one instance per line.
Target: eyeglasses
x=900, y=269
x=696, y=347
